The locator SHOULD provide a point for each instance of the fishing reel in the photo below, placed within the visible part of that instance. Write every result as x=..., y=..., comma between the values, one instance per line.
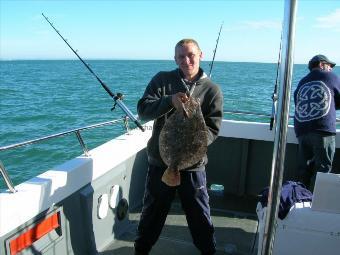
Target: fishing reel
x=119, y=96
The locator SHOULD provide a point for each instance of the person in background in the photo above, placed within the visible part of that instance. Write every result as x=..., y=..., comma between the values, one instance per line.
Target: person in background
x=167, y=91
x=316, y=98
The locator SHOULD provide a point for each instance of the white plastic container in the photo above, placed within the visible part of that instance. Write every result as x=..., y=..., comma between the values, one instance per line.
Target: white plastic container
x=305, y=230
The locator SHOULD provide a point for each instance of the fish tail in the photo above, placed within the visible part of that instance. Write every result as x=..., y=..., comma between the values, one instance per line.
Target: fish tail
x=171, y=177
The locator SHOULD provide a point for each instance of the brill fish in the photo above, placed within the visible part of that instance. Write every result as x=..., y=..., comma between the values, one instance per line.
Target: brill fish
x=183, y=141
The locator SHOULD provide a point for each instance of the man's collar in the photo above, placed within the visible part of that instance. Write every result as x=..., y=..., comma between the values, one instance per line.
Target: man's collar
x=200, y=75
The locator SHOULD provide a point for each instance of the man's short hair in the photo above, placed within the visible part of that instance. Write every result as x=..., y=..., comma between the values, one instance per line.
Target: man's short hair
x=186, y=41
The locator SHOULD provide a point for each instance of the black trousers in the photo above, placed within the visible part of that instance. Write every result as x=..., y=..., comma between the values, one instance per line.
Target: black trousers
x=157, y=202
x=316, y=153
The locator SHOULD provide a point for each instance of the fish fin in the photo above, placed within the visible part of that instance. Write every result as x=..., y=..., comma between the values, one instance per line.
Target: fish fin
x=171, y=177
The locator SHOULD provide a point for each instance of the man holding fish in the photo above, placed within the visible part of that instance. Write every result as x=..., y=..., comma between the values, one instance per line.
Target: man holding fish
x=186, y=107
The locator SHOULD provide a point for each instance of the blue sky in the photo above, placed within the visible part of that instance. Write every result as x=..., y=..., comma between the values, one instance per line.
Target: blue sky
x=150, y=29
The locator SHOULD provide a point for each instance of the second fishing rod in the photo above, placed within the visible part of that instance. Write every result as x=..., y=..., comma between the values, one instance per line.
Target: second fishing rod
x=213, y=59
x=117, y=98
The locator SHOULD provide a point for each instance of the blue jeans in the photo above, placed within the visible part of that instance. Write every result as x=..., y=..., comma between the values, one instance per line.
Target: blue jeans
x=316, y=153
x=157, y=202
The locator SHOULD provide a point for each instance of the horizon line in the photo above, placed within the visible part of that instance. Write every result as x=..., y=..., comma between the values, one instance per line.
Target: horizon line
x=126, y=59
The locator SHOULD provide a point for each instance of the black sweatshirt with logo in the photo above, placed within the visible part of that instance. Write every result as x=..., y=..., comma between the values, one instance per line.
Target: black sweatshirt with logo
x=317, y=97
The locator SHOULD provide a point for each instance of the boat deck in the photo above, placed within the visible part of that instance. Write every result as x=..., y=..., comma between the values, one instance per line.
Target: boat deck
x=235, y=224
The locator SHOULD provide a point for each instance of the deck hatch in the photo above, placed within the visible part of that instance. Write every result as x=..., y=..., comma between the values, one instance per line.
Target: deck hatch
x=33, y=234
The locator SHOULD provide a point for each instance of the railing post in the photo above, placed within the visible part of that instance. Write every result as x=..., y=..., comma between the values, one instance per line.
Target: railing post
x=126, y=124
x=6, y=178
x=82, y=144
x=280, y=138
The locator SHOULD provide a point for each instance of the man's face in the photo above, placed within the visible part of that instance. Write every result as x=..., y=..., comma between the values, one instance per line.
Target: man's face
x=188, y=58
x=326, y=66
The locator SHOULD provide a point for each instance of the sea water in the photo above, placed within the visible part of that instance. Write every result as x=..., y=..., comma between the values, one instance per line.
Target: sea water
x=40, y=98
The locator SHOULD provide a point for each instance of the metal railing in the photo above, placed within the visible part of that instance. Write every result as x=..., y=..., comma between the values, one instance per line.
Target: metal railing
x=82, y=143
x=258, y=114
x=76, y=131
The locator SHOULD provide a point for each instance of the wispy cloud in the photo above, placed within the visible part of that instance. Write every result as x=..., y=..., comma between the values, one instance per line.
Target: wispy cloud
x=331, y=21
x=255, y=25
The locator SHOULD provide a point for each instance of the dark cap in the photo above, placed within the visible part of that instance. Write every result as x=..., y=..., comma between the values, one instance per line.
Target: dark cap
x=317, y=59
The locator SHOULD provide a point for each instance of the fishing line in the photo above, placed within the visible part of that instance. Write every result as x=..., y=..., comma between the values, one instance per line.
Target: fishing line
x=117, y=98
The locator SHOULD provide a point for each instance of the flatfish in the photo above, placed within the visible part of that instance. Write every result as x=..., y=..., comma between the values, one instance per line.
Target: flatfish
x=183, y=140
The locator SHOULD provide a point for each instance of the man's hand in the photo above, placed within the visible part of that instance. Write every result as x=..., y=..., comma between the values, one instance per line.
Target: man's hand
x=178, y=99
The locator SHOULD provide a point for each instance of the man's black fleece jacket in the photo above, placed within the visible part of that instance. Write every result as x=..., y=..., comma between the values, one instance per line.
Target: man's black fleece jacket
x=156, y=104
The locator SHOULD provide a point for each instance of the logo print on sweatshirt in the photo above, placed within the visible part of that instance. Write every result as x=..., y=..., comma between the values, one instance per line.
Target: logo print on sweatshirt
x=313, y=101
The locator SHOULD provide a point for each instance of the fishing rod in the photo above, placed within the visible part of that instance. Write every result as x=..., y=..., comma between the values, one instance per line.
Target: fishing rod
x=117, y=98
x=212, y=61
